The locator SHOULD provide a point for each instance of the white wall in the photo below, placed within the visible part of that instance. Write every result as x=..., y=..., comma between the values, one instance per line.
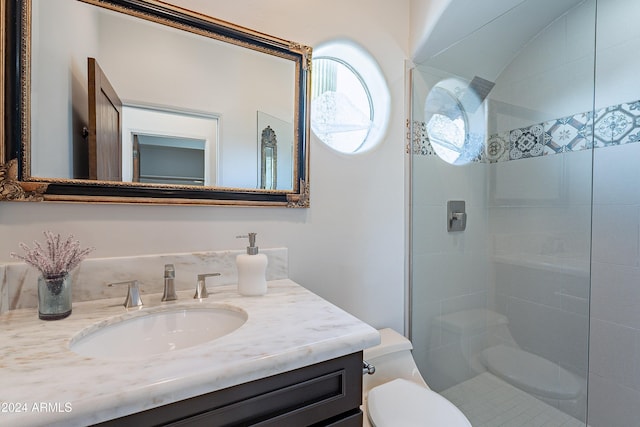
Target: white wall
x=424, y=17
x=348, y=247
x=59, y=100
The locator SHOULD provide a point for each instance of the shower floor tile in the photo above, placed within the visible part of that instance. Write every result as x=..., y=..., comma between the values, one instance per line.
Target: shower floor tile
x=488, y=401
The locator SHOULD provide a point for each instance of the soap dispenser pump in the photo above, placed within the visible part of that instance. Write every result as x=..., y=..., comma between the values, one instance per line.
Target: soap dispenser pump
x=252, y=269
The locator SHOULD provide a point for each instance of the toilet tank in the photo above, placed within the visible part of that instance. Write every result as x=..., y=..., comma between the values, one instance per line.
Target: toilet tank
x=392, y=359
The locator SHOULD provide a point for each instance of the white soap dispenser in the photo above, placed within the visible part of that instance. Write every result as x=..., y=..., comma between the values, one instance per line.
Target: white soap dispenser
x=252, y=269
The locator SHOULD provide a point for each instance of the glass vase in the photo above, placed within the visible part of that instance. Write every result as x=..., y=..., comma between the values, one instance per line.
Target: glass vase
x=54, y=297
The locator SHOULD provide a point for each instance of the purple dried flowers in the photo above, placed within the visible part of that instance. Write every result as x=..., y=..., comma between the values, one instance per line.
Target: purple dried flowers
x=59, y=256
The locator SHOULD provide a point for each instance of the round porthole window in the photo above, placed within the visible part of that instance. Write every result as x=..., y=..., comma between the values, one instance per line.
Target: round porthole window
x=454, y=117
x=349, y=99
x=341, y=108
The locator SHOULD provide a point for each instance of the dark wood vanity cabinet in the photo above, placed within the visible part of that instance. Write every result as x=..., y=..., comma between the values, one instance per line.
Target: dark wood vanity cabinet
x=325, y=394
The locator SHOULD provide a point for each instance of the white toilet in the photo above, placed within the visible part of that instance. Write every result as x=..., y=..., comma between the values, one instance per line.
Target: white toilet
x=397, y=395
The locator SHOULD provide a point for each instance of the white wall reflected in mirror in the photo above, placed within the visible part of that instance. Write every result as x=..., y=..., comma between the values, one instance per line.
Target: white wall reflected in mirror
x=167, y=135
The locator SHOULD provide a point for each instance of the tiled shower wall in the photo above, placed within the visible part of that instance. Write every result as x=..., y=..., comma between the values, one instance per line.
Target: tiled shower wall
x=449, y=270
x=562, y=233
x=614, y=365
x=525, y=255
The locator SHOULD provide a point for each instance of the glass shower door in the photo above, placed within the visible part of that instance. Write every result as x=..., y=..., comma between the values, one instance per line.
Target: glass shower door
x=499, y=312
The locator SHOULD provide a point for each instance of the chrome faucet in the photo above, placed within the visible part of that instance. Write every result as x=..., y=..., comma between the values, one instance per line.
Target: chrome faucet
x=201, y=286
x=133, y=293
x=169, y=283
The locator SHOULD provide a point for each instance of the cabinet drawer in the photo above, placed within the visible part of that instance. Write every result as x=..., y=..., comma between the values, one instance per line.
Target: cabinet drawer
x=305, y=396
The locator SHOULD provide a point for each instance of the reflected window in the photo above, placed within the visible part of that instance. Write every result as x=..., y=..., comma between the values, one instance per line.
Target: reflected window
x=454, y=116
x=349, y=100
x=447, y=134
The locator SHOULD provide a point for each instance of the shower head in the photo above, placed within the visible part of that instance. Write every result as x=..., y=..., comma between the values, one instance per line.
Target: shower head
x=476, y=93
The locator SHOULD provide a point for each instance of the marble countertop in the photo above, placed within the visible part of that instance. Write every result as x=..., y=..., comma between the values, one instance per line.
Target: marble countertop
x=43, y=382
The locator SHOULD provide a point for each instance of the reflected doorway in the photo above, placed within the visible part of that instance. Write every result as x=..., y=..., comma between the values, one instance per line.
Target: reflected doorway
x=166, y=160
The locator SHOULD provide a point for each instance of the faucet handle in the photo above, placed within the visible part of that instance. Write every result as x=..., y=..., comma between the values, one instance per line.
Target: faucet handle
x=133, y=293
x=169, y=271
x=201, y=286
x=169, y=293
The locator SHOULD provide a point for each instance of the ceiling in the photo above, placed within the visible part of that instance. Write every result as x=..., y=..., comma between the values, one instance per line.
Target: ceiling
x=487, y=34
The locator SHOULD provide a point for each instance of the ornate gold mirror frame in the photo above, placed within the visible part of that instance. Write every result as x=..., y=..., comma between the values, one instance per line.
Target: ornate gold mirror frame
x=16, y=184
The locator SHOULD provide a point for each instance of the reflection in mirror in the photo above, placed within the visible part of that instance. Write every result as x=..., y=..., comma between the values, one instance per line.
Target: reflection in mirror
x=166, y=160
x=269, y=160
x=173, y=147
x=276, y=152
x=104, y=154
x=155, y=56
x=178, y=70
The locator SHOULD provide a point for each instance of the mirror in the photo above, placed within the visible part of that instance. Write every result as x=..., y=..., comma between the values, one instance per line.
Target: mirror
x=142, y=101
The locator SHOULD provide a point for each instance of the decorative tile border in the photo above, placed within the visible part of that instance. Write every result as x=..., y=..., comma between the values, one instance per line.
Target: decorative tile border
x=527, y=142
x=615, y=125
x=421, y=145
x=418, y=142
x=497, y=149
x=571, y=133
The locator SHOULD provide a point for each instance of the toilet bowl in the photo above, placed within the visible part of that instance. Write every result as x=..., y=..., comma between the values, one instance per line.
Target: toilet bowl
x=397, y=395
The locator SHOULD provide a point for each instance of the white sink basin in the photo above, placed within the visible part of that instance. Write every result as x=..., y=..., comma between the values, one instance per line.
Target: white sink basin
x=155, y=332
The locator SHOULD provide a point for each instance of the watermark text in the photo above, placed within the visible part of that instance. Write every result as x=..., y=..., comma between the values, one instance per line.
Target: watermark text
x=31, y=407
